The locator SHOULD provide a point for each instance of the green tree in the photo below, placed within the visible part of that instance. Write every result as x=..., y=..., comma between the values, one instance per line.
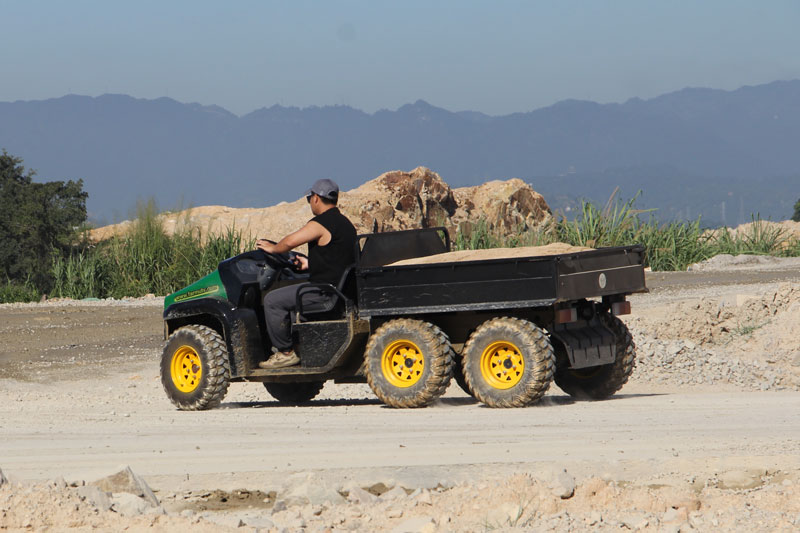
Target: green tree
x=796, y=215
x=36, y=220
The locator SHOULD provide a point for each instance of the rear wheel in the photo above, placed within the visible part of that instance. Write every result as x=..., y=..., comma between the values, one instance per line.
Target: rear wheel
x=294, y=393
x=195, y=371
x=408, y=363
x=600, y=382
x=508, y=362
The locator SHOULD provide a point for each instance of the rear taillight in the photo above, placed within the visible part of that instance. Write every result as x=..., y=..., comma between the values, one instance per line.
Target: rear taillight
x=621, y=308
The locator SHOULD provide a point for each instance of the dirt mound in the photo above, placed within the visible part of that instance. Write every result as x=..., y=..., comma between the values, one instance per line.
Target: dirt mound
x=393, y=201
x=788, y=228
x=738, y=339
x=555, y=248
x=783, y=234
x=718, y=321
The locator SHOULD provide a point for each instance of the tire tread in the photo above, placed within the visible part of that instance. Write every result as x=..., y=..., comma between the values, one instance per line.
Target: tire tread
x=441, y=362
x=217, y=373
x=541, y=376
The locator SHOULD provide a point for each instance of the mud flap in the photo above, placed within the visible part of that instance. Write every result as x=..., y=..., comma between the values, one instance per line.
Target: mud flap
x=586, y=343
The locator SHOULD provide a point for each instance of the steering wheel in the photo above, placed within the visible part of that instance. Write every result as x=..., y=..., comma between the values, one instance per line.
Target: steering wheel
x=284, y=260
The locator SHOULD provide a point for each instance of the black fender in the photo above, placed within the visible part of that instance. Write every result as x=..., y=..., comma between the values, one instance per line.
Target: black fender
x=238, y=327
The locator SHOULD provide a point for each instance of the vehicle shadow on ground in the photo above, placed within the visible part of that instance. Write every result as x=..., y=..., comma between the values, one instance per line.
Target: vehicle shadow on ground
x=339, y=403
x=568, y=400
x=312, y=403
x=564, y=399
x=547, y=401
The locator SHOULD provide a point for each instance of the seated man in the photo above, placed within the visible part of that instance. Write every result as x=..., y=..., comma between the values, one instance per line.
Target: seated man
x=331, y=240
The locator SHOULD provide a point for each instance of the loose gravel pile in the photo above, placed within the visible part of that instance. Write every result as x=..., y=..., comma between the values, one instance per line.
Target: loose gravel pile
x=742, y=340
x=57, y=506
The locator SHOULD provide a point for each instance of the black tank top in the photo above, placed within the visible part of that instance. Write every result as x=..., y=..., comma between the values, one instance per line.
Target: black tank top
x=327, y=263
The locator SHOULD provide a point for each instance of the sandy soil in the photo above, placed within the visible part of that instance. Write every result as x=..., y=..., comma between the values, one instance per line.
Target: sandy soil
x=555, y=248
x=673, y=451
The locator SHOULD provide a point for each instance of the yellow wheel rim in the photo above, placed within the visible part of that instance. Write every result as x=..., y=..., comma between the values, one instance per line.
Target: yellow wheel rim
x=402, y=363
x=502, y=365
x=186, y=369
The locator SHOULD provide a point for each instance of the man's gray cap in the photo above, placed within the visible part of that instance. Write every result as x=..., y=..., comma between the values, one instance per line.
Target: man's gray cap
x=325, y=188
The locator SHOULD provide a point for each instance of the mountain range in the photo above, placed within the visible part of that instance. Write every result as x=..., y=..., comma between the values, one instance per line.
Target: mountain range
x=721, y=155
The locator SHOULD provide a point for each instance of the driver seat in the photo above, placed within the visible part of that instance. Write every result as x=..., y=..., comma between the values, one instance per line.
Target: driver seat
x=341, y=301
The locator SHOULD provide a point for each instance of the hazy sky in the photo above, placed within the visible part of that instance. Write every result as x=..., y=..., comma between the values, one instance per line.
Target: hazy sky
x=496, y=57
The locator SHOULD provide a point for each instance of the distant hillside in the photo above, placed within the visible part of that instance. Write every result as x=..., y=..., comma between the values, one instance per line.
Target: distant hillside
x=689, y=151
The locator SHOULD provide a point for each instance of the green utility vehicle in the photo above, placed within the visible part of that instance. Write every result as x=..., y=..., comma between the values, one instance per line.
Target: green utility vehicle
x=503, y=329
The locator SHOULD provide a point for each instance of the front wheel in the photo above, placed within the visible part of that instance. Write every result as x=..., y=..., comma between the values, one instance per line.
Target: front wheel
x=408, y=363
x=195, y=371
x=508, y=362
x=600, y=382
x=294, y=393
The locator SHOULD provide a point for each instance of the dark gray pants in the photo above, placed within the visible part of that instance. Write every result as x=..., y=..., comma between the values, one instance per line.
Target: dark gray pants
x=278, y=310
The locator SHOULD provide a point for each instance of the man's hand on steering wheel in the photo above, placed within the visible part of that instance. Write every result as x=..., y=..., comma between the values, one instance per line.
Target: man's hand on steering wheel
x=300, y=261
x=293, y=260
x=266, y=245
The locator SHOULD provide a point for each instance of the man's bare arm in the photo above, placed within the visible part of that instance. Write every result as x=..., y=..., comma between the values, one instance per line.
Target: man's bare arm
x=310, y=232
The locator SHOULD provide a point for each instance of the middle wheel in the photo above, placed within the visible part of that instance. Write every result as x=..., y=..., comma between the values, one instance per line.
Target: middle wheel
x=508, y=362
x=408, y=362
x=294, y=393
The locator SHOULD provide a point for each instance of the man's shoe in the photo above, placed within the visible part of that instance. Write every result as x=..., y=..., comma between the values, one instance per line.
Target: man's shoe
x=280, y=360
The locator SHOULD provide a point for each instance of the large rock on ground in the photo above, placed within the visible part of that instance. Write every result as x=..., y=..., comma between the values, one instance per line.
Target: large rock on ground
x=304, y=488
x=506, y=206
x=401, y=200
x=419, y=199
x=126, y=481
x=95, y=496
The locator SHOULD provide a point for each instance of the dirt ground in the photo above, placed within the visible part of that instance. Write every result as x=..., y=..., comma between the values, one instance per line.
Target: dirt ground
x=705, y=436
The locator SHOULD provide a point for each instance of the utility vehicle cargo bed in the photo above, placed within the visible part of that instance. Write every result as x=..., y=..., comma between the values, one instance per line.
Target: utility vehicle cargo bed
x=513, y=283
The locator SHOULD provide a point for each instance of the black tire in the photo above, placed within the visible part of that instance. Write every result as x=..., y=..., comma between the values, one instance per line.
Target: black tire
x=408, y=363
x=294, y=393
x=195, y=370
x=600, y=382
x=508, y=362
x=458, y=376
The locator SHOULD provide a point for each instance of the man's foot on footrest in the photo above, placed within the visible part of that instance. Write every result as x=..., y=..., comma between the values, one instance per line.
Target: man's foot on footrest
x=280, y=360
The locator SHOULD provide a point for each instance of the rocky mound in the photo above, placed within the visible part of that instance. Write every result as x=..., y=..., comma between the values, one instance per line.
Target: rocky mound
x=393, y=201
x=754, y=500
x=739, y=340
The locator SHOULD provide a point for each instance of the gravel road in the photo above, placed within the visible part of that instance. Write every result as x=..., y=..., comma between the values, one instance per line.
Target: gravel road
x=80, y=396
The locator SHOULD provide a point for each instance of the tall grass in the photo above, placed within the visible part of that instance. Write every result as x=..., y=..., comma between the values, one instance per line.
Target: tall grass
x=670, y=246
x=144, y=260
x=758, y=238
x=615, y=225
x=480, y=235
x=12, y=291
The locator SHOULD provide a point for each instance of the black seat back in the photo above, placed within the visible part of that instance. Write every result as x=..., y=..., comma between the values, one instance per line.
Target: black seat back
x=342, y=296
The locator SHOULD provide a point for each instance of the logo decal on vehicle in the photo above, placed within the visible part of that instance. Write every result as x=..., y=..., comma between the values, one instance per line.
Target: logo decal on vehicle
x=601, y=280
x=197, y=293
